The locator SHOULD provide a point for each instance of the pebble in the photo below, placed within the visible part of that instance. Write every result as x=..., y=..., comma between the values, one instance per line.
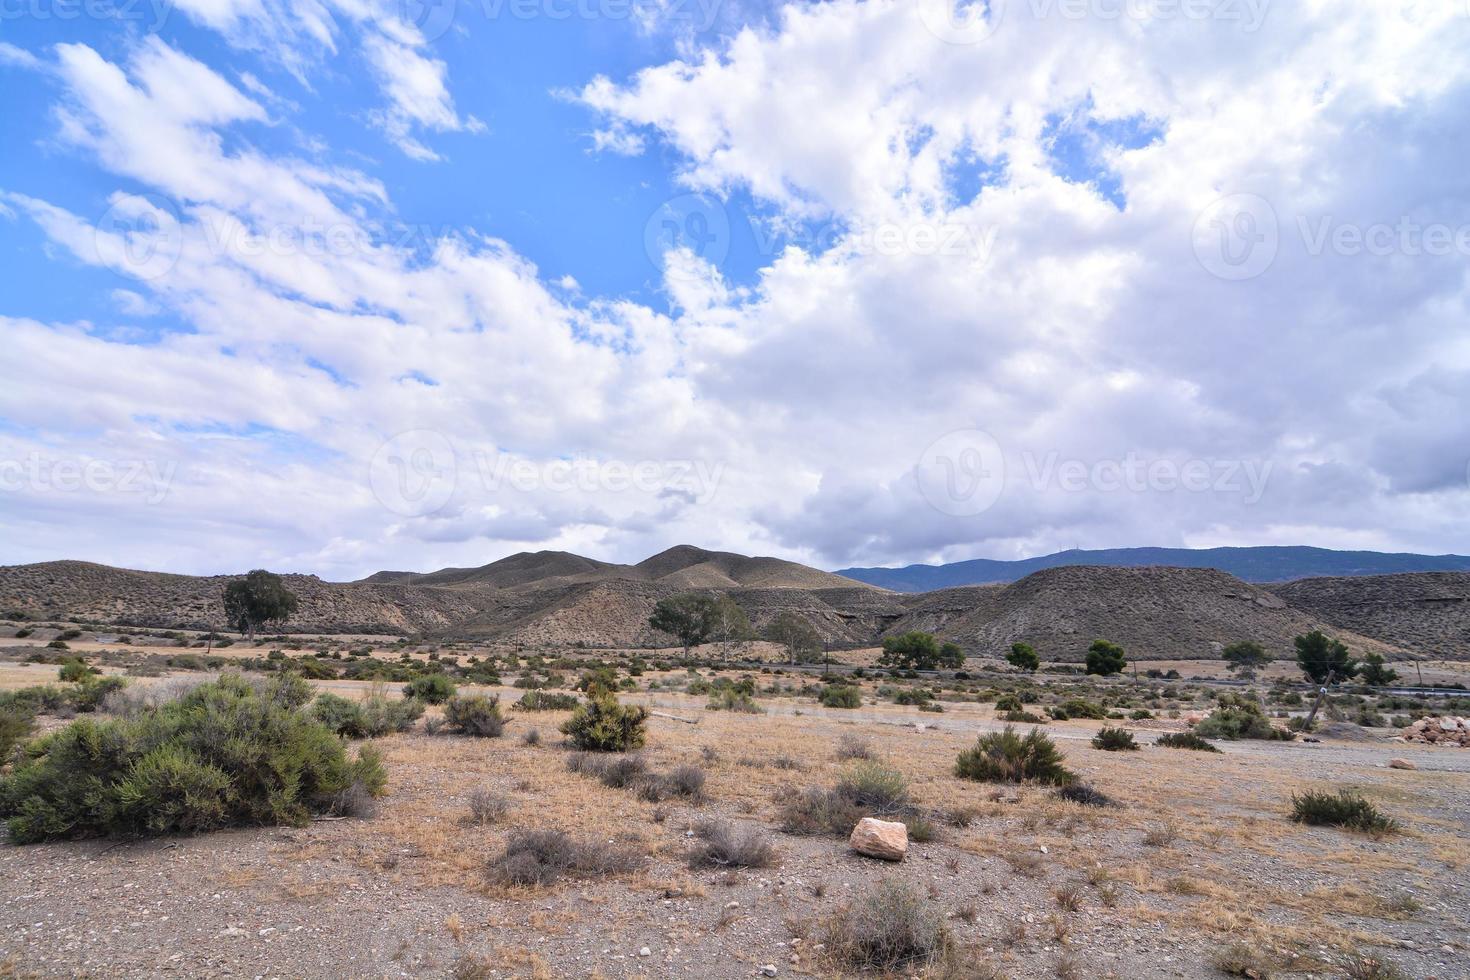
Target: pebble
x=769, y=970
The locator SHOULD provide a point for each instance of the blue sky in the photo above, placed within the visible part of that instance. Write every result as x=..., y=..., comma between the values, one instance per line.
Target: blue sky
x=839, y=281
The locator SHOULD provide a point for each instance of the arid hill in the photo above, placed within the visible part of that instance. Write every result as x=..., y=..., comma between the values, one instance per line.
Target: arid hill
x=556, y=598
x=78, y=590
x=1426, y=612
x=1156, y=613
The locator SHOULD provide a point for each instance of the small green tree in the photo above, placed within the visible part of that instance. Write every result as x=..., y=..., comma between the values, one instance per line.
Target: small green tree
x=604, y=725
x=430, y=688
x=1375, y=671
x=916, y=650
x=1244, y=658
x=259, y=598
x=1325, y=662
x=797, y=634
x=1104, y=658
x=1023, y=656
x=690, y=617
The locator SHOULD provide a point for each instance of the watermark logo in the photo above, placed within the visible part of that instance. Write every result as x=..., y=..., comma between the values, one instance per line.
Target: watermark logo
x=1237, y=237
x=433, y=18
x=694, y=223
x=962, y=21
x=692, y=480
x=140, y=233
x=414, y=473
x=962, y=473
x=148, y=478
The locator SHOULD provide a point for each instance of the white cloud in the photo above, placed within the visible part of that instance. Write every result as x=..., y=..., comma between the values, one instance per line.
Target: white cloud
x=1074, y=331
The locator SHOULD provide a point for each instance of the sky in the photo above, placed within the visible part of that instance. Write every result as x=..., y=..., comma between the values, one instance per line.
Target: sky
x=335, y=286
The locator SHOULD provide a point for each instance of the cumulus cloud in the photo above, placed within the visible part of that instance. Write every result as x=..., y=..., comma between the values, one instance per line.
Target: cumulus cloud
x=1025, y=290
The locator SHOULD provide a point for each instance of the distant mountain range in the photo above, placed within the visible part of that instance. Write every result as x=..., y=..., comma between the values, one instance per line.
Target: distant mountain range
x=551, y=599
x=1266, y=564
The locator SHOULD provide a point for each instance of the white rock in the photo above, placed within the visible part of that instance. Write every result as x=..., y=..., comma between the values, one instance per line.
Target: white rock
x=883, y=839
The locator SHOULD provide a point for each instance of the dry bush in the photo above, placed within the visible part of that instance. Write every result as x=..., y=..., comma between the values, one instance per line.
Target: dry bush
x=1242, y=960
x=1344, y=808
x=813, y=811
x=723, y=844
x=889, y=928
x=853, y=747
x=540, y=857
x=1084, y=794
x=487, y=806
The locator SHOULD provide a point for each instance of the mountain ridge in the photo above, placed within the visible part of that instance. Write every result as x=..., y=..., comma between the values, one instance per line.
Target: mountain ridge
x=1259, y=564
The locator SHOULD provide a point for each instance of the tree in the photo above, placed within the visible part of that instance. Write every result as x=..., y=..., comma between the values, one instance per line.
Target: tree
x=731, y=627
x=1324, y=662
x=1104, y=658
x=1023, y=656
x=919, y=651
x=259, y=598
x=1375, y=671
x=690, y=616
x=1244, y=658
x=796, y=633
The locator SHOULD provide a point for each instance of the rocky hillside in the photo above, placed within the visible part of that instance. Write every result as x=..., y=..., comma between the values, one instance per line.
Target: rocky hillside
x=1427, y=612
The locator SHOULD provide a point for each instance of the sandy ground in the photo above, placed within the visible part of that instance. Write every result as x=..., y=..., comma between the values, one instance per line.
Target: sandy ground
x=1198, y=854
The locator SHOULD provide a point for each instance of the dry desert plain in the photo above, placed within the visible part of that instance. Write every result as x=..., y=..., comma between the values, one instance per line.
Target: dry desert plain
x=1196, y=869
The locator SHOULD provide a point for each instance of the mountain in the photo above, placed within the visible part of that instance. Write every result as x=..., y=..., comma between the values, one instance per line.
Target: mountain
x=683, y=566
x=1426, y=612
x=1266, y=564
x=559, y=599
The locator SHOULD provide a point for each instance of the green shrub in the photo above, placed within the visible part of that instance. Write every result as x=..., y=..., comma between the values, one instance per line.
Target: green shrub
x=1341, y=809
x=1185, y=740
x=875, y=787
x=74, y=670
x=373, y=717
x=1023, y=717
x=1239, y=717
x=545, y=701
x=58, y=645
x=604, y=725
x=1140, y=714
x=1114, y=740
x=90, y=693
x=1082, y=708
x=732, y=699
x=69, y=634
x=340, y=715
x=227, y=753
x=841, y=696
x=17, y=718
x=1008, y=702
x=1005, y=757
x=430, y=688
x=475, y=714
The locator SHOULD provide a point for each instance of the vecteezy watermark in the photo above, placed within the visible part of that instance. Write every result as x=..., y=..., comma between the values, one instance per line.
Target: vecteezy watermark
x=418, y=472
x=965, y=473
x=701, y=226
x=152, y=14
x=140, y=233
x=694, y=223
x=1237, y=237
x=962, y=473
x=433, y=18
x=1240, y=236
x=972, y=21
x=694, y=480
x=149, y=478
x=414, y=473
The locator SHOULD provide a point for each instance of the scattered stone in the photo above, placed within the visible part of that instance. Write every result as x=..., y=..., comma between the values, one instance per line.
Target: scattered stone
x=769, y=970
x=645, y=951
x=882, y=839
x=1448, y=730
x=1401, y=764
